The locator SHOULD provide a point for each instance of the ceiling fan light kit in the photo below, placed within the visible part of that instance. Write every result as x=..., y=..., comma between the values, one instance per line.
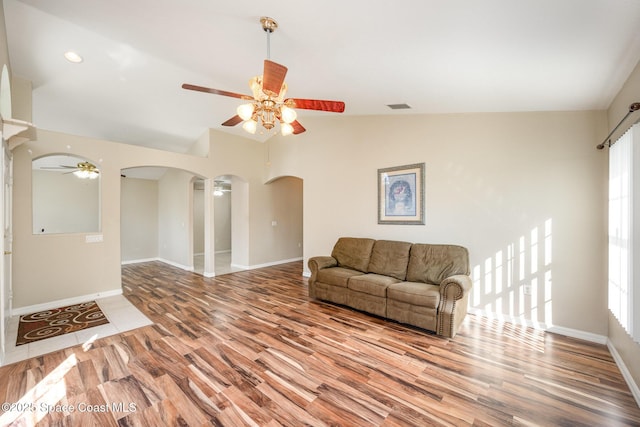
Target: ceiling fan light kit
x=86, y=170
x=268, y=105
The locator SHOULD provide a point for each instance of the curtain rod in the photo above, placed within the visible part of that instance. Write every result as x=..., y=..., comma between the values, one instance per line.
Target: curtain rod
x=633, y=107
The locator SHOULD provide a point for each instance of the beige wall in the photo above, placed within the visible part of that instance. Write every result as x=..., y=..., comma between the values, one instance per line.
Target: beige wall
x=175, y=216
x=492, y=182
x=627, y=349
x=222, y=207
x=285, y=233
x=198, y=221
x=56, y=267
x=139, y=219
x=63, y=203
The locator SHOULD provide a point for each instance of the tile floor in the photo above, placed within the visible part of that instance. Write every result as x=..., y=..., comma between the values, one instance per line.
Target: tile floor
x=122, y=316
x=222, y=266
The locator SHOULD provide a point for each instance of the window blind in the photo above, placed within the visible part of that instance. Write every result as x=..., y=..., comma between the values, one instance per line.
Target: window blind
x=622, y=298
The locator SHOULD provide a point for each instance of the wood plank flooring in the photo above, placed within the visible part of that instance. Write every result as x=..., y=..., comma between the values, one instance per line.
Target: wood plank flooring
x=251, y=349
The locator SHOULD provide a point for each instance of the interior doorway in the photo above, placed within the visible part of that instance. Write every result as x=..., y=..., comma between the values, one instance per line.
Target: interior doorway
x=198, y=225
x=223, y=214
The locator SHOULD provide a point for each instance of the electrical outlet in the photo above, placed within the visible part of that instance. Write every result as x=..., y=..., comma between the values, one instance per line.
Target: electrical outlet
x=526, y=289
x=93, y=238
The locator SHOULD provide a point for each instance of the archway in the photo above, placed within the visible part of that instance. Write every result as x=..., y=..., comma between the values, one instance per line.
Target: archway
x=231, y=225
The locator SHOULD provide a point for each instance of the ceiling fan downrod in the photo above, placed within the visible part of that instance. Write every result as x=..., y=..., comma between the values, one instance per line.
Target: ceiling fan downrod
x=269, y=25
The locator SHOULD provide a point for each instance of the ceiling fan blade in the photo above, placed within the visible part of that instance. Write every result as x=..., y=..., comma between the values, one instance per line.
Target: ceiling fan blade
x=317, y=104
x=273, y=77
x=297, y=127
x=215, y=91
x=233, y=121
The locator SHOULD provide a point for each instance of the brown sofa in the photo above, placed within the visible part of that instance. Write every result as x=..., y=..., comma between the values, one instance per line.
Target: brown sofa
x=418, y=284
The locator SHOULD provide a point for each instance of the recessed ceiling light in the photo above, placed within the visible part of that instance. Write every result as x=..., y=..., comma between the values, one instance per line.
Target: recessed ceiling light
x=73, y=57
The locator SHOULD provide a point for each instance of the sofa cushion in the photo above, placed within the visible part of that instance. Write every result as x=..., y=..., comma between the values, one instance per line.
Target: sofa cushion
x=353, y=252
x=390, y=258
x=373, y=284
x=337, y=276
x=434, y=263
x=415, y=294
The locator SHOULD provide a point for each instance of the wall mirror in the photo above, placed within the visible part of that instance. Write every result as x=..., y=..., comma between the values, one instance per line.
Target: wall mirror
x=65, y=195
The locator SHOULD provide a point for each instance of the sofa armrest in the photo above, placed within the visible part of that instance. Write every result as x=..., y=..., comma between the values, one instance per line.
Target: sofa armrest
x=454, y=297
x=455, y=287
x=316, y=264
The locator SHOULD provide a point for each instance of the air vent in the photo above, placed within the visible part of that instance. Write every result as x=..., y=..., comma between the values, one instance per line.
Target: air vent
x=399, y=106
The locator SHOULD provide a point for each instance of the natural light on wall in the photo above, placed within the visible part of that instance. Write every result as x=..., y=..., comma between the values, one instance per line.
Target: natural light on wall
x=515, y=284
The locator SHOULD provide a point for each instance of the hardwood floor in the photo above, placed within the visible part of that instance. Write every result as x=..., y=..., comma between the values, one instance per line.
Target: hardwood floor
x=250, y=348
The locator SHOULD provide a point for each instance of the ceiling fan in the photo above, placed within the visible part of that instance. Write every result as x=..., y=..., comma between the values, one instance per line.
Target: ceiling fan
x=268, y=104
x=81, y=170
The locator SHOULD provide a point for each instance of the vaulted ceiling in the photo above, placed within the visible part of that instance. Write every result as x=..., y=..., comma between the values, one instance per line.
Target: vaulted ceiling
x=436, y=56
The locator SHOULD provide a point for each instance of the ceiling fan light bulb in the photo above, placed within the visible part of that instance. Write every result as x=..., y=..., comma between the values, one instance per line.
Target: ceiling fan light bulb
x=289, y=115
x=245, y=111
x=250, y=126
x=82, y=174
x=286, y=129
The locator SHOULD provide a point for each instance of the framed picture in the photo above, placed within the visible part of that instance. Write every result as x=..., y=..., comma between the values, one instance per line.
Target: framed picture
x=401, y=195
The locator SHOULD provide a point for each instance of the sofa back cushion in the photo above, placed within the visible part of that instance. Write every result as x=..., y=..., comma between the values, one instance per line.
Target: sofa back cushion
x=353, y=252
x=390, y=258
x=434, y=263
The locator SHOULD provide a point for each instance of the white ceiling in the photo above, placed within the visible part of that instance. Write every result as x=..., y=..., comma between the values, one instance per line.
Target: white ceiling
x=437, y=56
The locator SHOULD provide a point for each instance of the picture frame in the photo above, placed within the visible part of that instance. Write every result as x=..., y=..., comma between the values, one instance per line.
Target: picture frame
x=401, y=195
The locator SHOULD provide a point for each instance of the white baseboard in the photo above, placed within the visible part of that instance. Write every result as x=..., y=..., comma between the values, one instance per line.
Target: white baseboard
x=635, y=390
x=267, y=264
x=166, y=261
x=191, y=268
x=138, y=261
x=573, y=333
x=19, y=311
x=306, y=273
x=175, y=264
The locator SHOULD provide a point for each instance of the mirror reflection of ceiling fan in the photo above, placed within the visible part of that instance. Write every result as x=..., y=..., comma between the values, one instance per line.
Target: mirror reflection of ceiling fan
x=84, y=170
x=268, y=104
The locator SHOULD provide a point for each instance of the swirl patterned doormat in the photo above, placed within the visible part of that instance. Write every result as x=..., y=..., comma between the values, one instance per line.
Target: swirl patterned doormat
x=59, y=321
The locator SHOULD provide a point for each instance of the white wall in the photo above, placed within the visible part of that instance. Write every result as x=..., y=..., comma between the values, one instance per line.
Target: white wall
x=139, y=219
x=492, y=181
